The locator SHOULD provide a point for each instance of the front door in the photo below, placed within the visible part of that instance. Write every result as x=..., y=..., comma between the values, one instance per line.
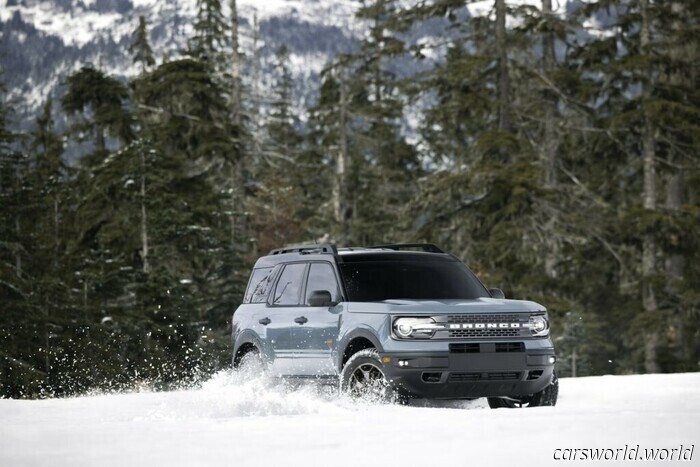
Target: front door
x=316, y=336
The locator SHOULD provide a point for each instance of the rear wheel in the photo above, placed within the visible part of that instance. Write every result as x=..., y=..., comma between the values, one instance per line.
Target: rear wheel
x=546, y=397
x=251, y=365
x=363, y=378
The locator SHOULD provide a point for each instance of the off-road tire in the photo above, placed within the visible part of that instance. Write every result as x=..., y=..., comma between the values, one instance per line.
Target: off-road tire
x=363, y=378
x=251, y=365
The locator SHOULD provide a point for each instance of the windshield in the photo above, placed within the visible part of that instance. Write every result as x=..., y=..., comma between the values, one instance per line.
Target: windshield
x=375, y=281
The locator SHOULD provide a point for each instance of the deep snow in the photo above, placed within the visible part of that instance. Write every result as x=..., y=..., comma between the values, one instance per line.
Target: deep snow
x=265, y=424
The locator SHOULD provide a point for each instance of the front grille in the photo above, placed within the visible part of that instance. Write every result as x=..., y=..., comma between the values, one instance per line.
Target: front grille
x=510, y=347
x=465, y=348
x=460, y=377
x=493, y=376
x=484, y=333
x=499, y=347
x=490, y=318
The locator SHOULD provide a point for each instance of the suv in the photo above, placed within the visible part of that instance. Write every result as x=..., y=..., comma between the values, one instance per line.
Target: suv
x=393, y=321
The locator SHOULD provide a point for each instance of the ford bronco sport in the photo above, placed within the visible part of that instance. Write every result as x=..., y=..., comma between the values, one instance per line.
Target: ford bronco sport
x=398, y=321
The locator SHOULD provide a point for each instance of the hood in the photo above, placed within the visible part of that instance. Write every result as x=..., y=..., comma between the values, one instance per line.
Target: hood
x=431, y=307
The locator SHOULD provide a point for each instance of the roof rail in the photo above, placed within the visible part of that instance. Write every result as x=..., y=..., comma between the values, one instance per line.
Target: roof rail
x=427, y=247
x=306, y=249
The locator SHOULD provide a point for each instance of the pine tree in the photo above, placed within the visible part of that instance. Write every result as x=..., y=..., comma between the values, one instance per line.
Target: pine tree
x=187, y=119
x=329, y=139
x=390, y=164
x=48, y=200
x=209, y=38
x=140, y=48
x=284, y=174
x=236, y=59
x=209, y=45
x=100, y=101
x=21, y=369
x=649, y=110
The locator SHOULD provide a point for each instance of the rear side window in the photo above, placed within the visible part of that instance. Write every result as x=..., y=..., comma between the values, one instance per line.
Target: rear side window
x=258, y=286
x=289, y=286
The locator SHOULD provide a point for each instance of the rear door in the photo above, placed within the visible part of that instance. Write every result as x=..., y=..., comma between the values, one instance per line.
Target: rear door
x=283, y=307
x=316, y=335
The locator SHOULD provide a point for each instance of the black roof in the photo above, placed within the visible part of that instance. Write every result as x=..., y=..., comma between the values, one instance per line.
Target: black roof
x=395, y=252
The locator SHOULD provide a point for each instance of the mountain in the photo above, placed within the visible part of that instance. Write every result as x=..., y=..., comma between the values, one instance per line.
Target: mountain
x=43, y=41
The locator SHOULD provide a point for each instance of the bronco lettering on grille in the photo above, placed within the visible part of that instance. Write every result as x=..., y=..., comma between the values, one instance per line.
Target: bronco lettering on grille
x=485, y=325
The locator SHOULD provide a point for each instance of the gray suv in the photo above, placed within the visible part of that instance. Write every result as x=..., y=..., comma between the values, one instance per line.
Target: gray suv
x=393, y=321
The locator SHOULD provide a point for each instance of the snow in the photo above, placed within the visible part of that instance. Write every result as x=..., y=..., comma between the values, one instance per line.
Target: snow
x=339, y=13
x=262, y=423
x=73, y=29
x=81, y=25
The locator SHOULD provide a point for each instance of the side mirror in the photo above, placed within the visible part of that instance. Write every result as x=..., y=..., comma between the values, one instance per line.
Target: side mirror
x=497, y=293
x=320, y=298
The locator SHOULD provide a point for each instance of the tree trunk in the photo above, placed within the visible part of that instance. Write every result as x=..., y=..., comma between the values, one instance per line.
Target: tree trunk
x=649, y=303
x=504, y=123
x=235, y=69
x=549, y=143
x=100, y=138
x=378, y=61
x=551, y=101
x=675, y=263
x=86, y=313
x=239, y=225
x=56, y=239
x=47, y=339
x=18, y=251
x=239, y=207
x=340, y=202
x=144, y=225
x=675, y=191
x=255, y=117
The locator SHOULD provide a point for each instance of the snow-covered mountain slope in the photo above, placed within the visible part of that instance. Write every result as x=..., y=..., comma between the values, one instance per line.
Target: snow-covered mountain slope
x=45, y=40
x=257, y=424
x=42, y=41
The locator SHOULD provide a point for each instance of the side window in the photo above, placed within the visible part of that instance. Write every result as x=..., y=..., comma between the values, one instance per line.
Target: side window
x=289, y=286
x=258, y=286
x=322, y=277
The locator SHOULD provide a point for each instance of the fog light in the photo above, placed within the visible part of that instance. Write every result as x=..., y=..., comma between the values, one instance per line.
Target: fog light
x=403, y=363
x=552, y=359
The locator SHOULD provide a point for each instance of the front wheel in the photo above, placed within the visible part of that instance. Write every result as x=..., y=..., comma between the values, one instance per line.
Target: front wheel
x=363, y=378
x=546, y=397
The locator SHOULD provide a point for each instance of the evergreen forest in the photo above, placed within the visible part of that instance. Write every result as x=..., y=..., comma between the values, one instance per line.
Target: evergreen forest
x=559, y=160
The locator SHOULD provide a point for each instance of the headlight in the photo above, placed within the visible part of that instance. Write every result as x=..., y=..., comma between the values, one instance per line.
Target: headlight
x=539, y=326
x=415, y=328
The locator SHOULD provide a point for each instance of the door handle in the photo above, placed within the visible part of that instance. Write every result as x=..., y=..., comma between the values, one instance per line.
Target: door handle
x=301, y=320
x=264, y=321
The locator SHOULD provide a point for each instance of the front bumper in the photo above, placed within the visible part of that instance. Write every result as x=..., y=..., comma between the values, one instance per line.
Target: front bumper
x=482, y=370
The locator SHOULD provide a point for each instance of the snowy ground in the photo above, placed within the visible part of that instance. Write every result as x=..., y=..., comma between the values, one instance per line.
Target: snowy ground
x=225, y=423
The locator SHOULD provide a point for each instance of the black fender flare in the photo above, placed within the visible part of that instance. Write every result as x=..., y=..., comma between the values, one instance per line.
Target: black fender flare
x=247, y=337
x=345, y=342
